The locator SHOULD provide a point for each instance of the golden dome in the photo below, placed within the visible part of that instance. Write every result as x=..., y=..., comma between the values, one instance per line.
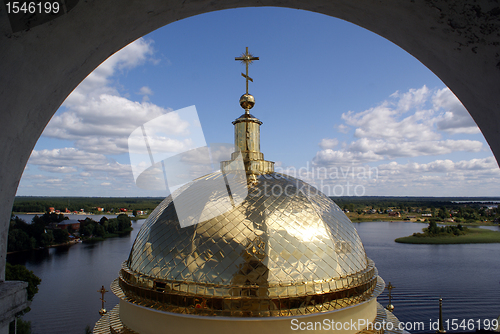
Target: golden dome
x=282, y=248
x=287, y=249
x=279, y=248
x=255, y=258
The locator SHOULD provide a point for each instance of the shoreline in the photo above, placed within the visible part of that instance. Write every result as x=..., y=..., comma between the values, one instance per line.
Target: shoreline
x=82, y=214
x=70, y=213
x=474, y=236
x=69, y=243
x=413, y=220
x=73, y=242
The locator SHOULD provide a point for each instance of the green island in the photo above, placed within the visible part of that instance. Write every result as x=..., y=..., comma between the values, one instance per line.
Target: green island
x=62, y=221
x=450, y=234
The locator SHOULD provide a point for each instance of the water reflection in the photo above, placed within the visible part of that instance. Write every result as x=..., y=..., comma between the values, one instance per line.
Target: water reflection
x=71, y=275
x=466, y=276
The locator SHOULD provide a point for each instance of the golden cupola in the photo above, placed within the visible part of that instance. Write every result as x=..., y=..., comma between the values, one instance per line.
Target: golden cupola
x=286, y=251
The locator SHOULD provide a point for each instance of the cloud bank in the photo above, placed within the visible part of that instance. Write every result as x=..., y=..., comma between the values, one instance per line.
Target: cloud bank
x=411, y=124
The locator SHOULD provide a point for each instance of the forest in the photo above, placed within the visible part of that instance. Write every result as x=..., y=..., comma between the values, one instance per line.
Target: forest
x=27, y=204
x=42, y=231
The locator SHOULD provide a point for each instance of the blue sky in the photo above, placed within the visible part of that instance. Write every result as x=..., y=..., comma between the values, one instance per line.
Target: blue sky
x=350, y=108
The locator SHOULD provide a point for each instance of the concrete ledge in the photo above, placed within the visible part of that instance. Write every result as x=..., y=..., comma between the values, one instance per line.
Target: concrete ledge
x=13, y=299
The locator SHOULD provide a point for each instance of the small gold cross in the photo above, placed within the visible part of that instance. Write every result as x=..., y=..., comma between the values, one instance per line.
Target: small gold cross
x=390, y=307
x=102, y=291
x=246, y=58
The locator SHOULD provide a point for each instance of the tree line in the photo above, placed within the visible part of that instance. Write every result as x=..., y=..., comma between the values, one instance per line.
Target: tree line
x=42, y=233
x=405, y=202
x=88, y=204
x=435, y=231
x=24, y=236
x=105, y=228
x=441, y=209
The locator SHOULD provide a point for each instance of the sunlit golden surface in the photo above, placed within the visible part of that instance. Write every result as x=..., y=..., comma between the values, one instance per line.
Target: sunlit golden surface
x=287, y=249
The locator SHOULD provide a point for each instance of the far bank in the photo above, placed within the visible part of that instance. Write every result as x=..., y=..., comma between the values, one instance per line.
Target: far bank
x=472, y=236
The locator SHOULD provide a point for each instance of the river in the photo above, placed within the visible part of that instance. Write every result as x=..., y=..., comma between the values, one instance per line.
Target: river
x=467, y=277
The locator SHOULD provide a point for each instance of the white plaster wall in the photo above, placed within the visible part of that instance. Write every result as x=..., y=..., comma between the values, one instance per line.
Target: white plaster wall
x=149, y=321
x=13, y=299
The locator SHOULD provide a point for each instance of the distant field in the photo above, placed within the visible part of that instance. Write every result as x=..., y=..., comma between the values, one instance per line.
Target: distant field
x=373, y=217
x=24, y=204
x=353, y=216
x=475, y=236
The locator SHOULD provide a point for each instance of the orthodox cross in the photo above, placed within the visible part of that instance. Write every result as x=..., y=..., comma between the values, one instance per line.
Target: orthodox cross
x=246, y=58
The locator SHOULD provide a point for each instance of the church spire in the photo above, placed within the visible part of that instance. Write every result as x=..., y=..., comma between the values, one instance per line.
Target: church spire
x=247, y=101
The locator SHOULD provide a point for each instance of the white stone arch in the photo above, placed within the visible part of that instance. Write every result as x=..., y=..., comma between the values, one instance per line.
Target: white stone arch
x=39, y=67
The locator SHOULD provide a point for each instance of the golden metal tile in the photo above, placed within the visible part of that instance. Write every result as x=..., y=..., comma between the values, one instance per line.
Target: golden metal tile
x=273, y=245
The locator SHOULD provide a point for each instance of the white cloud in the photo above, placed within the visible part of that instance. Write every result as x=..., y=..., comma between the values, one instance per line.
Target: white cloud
x=60, y=169
x=409, y=124
x=108, y=120
x=442, y=177
x=433, y=111
x=145, y=90
x=65, y=157
x=478, y=164
x=464, y=167
x=417, y=123
x=327, y=143
x=33, y=176
x=98, y=121
x=473, y=177
x=96, y=117
x=414, y=98
x=71, y=160
x=329, y=157
x=368, y=150
x=342, y=128
x=53, y=180
x=98, y=82
x=455, y=119
x=392, y=150
x=385, y=120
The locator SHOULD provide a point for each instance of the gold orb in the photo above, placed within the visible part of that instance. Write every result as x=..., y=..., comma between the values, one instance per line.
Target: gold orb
x=390, y=307
x=247, y=101
x=102, y=311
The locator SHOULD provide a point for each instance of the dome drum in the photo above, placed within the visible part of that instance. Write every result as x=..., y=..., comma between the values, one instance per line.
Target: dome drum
x=256, y=167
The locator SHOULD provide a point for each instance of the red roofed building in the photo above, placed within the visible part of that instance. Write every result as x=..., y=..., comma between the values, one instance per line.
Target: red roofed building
x=65, y=224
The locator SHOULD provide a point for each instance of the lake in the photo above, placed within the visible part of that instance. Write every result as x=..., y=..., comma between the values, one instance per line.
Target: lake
x=467, y=277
